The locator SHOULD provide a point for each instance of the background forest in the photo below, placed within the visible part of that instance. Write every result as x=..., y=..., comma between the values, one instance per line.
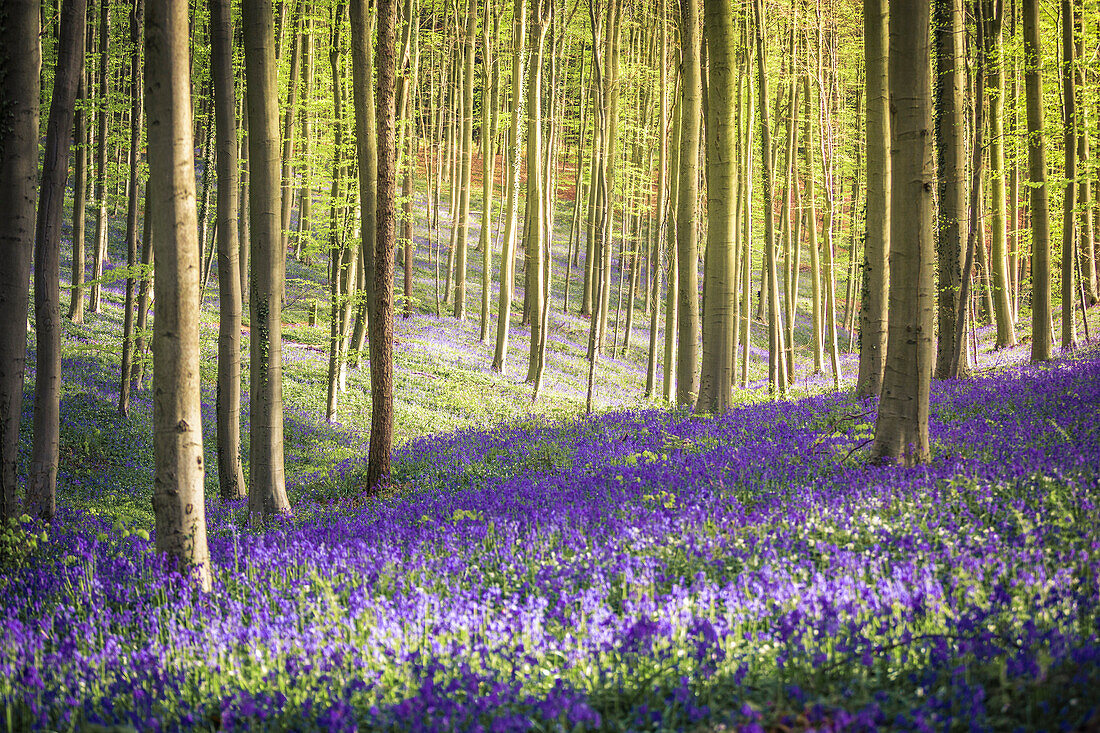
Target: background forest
x=549, y=365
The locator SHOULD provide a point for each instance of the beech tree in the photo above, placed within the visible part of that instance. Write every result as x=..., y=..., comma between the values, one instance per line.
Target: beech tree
x=687, y=356
x=1039, y=196
x=901, y=428
x=381, y=323
x=230, y=473
x=42, y=476
x=267, y=482
x=716, y=381
x=876, y=251
x=178, y=504
x=19, y=81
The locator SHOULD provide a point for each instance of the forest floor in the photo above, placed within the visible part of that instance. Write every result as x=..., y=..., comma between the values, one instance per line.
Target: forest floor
x=639, y=569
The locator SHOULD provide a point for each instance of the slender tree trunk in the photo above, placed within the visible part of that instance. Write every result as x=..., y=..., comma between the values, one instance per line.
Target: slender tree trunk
x=687, y=357
x=230, y=474
x=305, y=192
x=994, y=68
x=466, y=143
x=818, y=334
x=178, y=504
x=267, y=482
x=102, y=114
x=716, y=382
x=42, y=473
x=80, y=197
x=132, y=254
x=876, y=250
x=660, y=215
x=508, y=244
x=1039, y=196
x=828, y=175
x=290, y=115
x=141, y=345
x=488, y=169
x=381, y=322
x=1087, y=246
x=536, y=182
x=951, y=164
x=19, y=68
x=1069, y=218
x=340, y=282
x=901, y=429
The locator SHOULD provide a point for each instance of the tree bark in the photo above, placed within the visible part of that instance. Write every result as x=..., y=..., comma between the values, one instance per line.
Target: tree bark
x=951, y=164
x=136, y=12
x=1069, y=218
x=381, y=323
x=995, y=89
x=901, y=428
x=687, y=356
x=19, y=72
x=267, y=482
x=466, y=144
x=230, y=473
x=80, y=196
x=42, y=474
x=1039, y=196
x=178, y=504
x=102, y=115
x=508, y=244
x=876, y=251
x=716, y=380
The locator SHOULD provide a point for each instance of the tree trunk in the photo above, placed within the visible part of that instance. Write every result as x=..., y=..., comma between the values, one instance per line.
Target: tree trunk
x=102, y=116
x=290, y=115
x=995, y=87
x=508, y=244
x=42, y=473
x=230, y=474
x=488, y=169
x=141, y=345
x=1037, y=176
x=817, y=304
x=536, y=183
x=1087, y=246
x=901, y=429
x=178, y=504
x=465, y=157
x=80, y=197
x=687, y=357
x=716, y=381
x=267, y=483
x=19, y=70
x=659, y=217
x=339, y=254
x=381, y=322
x=876, y=250
x=305, y=192
x=136, y=12
x=1069, y=218
x=951, y=164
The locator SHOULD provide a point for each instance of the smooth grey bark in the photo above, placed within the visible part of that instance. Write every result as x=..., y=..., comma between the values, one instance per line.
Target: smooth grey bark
x=901, y=427
x=267, y=482
x=1039, y=195
x=137, y=10
x=230, y=473
x=178, y=505
x=19, y=72
x=876, y=250
x=42, y=473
